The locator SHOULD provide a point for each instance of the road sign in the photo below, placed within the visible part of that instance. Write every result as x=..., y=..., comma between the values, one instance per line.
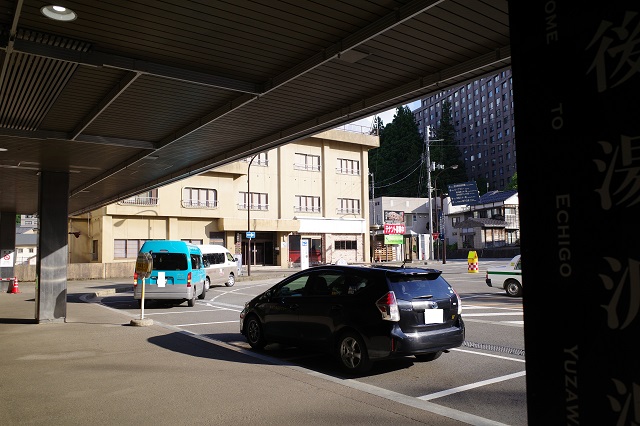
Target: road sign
x=144, y=265
x=464, y=193
x=435, y=235
x=251, y=234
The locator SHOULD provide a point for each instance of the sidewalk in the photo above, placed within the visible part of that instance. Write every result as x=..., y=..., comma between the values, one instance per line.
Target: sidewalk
x=97, y=369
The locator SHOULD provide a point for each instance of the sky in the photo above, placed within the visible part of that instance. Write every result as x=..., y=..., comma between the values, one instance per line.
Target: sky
x=386, y=116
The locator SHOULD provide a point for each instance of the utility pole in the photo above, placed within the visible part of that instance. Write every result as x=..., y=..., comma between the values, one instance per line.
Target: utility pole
x=427, y=130
x=429, y=169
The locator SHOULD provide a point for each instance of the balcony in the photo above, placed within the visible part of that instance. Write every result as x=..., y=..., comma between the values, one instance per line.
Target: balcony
x=345, y=171
x=198, y=204
x=348, y=211
x=139, y=201
x=305, y=209
x=309, y=167
x=254, y=207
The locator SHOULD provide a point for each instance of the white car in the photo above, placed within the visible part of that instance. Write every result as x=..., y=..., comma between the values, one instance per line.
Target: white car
x=508, y=277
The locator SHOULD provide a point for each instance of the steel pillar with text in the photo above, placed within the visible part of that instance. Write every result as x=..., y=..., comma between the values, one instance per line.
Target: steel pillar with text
x=576, y=80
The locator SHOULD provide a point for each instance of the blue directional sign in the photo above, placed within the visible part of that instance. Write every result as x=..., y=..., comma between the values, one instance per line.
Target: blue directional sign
x=251, y=234
x=464, y=193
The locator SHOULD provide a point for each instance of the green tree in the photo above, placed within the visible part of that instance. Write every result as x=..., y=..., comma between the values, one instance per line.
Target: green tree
x=377, y=127
x=513, y=182
x=444, y=150
x=397, y=163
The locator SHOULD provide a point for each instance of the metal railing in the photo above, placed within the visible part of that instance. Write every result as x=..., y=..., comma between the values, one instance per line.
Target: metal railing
x=139, y=201
x=207, y=204
x=348, y=211
x=304, y=209
x=242, y=206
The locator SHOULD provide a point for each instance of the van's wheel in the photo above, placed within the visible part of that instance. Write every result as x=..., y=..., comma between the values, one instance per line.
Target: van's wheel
x=207, y=284
x=140, y=303
x=352, y=353
x=253, y=331
x=192, y=302
x=231, y=281
x=204, y=289
x=514, y=289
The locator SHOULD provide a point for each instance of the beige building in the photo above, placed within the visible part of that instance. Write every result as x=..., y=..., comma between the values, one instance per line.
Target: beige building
x=311, y=193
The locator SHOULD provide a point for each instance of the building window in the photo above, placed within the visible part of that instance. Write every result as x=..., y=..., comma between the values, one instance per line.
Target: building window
x=307, y=162
x=257, y=201
x=348, y=167
x=148, y=198
x=199, y=198
x=346, y=245
x=348, y=206
x=307, y=203
x=260, y=160
x=197, y=242
x=126, y=249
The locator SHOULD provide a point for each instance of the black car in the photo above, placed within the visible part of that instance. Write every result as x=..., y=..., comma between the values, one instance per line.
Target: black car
x=358, y=313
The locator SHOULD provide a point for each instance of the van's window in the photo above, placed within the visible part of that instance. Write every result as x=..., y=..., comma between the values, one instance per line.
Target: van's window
x=230, y=258
x=196, y=261
x=169, y=261
x=215, y=258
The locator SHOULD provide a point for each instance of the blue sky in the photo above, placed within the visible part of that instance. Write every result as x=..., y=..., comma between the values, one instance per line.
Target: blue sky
x=386, y=116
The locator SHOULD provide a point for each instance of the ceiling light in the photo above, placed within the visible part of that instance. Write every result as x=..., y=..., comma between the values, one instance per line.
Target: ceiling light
x=58, y=13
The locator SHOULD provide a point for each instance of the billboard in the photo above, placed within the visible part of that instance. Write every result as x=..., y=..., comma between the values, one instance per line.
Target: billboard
x=464, y=193
x=393, y=216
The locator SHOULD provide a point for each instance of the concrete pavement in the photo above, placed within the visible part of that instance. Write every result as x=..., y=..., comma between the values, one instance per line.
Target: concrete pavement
x=96, y=368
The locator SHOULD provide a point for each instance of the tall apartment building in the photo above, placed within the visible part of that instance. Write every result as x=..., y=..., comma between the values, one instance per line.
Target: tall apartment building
x=311, y=193
x=482, y=114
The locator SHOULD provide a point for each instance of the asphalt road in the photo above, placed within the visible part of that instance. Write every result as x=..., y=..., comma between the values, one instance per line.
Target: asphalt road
x=485, y=377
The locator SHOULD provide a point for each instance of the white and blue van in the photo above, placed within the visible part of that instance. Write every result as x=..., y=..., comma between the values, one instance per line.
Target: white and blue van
x=178, y=272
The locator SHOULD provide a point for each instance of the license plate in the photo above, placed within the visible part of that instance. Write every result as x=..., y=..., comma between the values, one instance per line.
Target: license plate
x=433, y=316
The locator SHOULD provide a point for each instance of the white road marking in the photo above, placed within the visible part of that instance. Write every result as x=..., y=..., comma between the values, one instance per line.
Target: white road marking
x=206, y=323
x=471, y=386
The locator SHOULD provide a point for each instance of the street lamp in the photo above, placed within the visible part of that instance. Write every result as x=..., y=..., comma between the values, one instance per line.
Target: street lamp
x=249, y=216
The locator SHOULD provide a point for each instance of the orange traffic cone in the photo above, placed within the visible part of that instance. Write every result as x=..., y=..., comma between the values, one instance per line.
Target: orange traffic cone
x=14, y=287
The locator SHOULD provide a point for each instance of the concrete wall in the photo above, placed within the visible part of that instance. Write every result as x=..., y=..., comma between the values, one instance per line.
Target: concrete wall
x=83, y=271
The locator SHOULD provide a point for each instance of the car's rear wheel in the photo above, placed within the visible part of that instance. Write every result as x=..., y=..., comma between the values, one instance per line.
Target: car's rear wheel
x=428, y=357
x=352, y=353
x=253, y=331
x=207, y=284
x=513, y=288
x=192, y=302
x=204, y=290
x=231, y=281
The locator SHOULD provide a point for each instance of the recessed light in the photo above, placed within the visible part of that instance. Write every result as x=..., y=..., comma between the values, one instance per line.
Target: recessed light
x=3, y=149
x=58, y=13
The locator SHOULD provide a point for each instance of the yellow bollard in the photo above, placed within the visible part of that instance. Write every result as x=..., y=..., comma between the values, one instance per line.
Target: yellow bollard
x=472, y=260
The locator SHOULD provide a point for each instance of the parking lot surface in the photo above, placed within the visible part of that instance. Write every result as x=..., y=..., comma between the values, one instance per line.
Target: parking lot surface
x=98, y=368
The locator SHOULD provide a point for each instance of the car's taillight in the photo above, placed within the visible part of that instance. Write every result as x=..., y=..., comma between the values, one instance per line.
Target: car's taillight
x=459, y=302
x=189, y=279
x=135, y=279
x=388, y=307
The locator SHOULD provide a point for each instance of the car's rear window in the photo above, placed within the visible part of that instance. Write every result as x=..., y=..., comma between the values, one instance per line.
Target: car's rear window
x=169, y=261
x=409, y=287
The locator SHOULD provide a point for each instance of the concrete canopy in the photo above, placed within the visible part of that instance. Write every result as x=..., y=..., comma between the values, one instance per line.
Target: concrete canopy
x=133, y=95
